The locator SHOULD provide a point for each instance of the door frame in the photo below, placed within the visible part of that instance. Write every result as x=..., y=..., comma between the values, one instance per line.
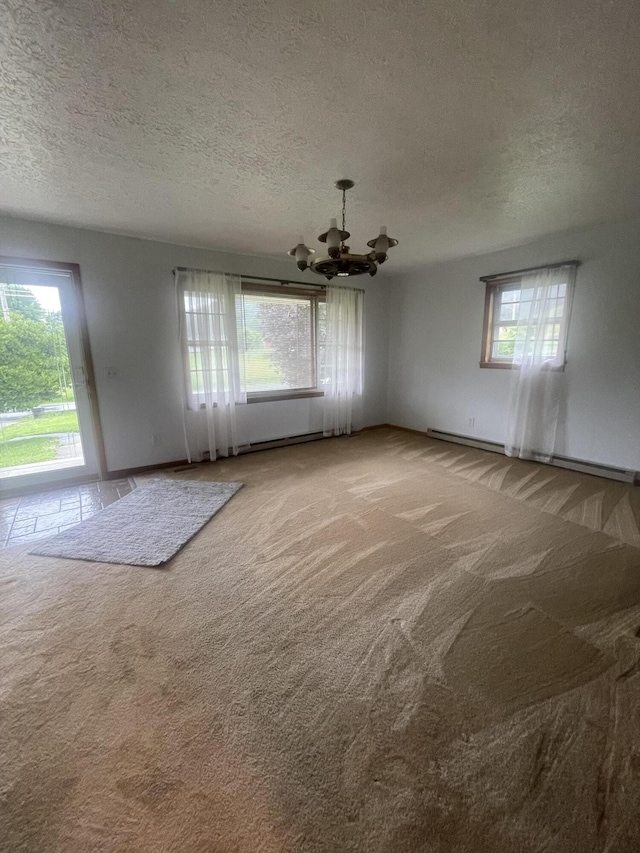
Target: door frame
x=83, y=328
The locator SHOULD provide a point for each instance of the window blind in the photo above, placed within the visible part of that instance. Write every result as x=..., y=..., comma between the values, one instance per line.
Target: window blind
x=278, y=335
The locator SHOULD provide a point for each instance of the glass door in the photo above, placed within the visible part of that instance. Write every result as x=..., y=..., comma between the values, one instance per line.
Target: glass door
x=48, y=427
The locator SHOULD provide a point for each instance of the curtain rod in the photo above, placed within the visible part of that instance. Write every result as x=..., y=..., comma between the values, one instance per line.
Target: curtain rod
x=530, y=269
x=264, y=278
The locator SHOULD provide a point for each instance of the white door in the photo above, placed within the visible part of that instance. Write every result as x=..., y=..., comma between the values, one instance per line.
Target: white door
x=48, y=429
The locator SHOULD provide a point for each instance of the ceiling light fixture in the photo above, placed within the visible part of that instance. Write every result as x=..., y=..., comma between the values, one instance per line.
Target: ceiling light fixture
x=340, y=262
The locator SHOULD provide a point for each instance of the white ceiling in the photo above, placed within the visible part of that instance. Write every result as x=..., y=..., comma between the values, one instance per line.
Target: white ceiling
x=467, y=125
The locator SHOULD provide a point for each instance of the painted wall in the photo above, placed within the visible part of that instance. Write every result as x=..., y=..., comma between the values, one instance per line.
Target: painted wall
x=130, y=303
x=435, y=332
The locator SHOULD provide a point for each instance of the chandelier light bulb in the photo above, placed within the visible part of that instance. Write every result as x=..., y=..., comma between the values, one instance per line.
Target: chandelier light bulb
x=333, y=239
x=381, y=245
x=301, y=253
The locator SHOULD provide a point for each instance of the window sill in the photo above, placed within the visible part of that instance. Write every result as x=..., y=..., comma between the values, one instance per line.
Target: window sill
x=505, y=365
x=271, y=396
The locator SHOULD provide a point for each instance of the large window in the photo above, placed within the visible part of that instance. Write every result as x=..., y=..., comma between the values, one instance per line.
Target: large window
x=519, y=317
x=278, y=336
x=281, y=334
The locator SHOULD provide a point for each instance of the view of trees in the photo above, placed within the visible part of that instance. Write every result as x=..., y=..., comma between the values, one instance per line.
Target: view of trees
x=34, y=364
x=22, y=301
x=279, y=339
x=286, y=327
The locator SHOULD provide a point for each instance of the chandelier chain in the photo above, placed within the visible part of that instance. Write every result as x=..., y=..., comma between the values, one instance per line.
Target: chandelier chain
x=344, y=209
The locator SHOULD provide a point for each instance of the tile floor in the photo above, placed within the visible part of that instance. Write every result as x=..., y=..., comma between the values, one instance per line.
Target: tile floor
x=47, y=513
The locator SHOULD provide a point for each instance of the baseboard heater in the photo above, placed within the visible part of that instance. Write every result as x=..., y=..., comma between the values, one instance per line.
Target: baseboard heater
x=582, y=465
x=254, y=448
x=283, y=442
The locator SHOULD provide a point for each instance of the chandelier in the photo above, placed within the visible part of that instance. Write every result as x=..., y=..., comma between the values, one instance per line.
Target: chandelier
x=339, y=260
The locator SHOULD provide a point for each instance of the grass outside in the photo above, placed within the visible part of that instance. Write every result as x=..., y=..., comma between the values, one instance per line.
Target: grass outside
x=65, y=397
x=55, y=422
x=39, y=449
x=260, y=371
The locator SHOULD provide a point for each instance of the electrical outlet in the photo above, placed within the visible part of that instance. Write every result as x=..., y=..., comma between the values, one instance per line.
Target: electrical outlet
x=155, y=439
x=472, y=423
x=111, y=372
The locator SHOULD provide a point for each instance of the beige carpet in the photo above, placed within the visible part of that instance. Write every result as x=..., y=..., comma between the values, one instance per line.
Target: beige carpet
x=383, y=643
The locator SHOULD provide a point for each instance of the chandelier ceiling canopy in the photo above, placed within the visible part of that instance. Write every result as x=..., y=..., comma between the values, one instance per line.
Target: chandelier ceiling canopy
x=340, y=261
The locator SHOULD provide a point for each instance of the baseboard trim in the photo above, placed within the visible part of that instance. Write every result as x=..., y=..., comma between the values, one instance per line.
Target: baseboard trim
x=123, y=473
x=584, y=466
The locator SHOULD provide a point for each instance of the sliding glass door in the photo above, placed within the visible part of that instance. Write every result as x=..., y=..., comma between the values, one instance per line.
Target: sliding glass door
x=49, y=431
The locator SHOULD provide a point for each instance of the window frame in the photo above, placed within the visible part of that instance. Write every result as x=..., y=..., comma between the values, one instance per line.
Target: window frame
x=315, y=296
x=507, y=282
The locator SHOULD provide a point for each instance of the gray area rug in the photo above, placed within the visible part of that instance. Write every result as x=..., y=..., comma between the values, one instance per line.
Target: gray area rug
x=146, y=527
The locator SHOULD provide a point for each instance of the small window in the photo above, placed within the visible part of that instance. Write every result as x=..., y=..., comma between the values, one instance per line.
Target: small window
x=519, y=317
x=281, y=332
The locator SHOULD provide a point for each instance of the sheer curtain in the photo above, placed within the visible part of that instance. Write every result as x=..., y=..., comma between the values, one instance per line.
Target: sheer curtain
x=342, y=359
x=537, y=380
x=212, y=360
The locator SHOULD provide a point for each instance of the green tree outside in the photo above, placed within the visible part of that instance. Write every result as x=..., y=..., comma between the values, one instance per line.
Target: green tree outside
x=54, y=324
x=20, y=300
x=34, y=361
x=286, y=330
x=28, y=365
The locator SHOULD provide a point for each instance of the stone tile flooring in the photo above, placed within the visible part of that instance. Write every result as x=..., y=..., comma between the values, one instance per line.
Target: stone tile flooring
x=47, y=513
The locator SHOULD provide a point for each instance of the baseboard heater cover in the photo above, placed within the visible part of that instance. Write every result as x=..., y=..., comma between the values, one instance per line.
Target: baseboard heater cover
x=609, y=472
x=282, y=442
x=254, y=448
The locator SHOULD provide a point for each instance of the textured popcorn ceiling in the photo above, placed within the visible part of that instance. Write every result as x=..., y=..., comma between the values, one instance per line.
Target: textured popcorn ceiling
x=466, y=125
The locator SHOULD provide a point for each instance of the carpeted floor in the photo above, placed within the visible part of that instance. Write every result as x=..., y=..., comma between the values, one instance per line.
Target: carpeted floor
x=382, y=644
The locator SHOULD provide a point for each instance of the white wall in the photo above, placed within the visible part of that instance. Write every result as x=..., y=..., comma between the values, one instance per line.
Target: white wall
x=435, y=333
x=129, y=297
